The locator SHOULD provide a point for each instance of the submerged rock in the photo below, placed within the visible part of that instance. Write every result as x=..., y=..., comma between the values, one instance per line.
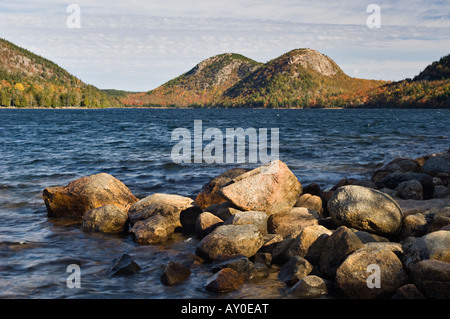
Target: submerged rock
x=295, y=269
x=125, y=265
x=310, y=286
x=87, y=193
x=174, y=274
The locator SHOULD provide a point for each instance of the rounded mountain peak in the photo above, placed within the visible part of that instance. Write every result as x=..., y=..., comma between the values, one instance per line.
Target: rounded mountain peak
x=313, y=60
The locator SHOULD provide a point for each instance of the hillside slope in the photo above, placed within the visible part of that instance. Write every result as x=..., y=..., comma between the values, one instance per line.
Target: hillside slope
x=202, y=85
x=28, y=80
x=429, y=89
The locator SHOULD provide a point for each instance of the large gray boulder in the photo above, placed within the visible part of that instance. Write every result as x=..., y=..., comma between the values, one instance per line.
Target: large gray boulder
x=434, y=245
x=438, y=164
x=365, y=209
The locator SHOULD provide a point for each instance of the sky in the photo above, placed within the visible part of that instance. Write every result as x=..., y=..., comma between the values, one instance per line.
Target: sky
x=138, y=45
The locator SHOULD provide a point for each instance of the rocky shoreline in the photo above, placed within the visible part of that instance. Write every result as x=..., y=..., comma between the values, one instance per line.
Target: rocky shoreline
x=387, y=237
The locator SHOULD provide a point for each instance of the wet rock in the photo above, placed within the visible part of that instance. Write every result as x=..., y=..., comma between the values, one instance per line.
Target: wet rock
x=384, y=171
x=309, y=287
x=210, y=195
x=438, y=164
x=86, y=193
x=295, y=269
x=371, y=272
x=365, y=209
x=411, y=189
x=105, y=219
x=340, y=244
x=174, y=273
x=225, y=280
x=393, y=180
x=154, y=230
x=259, y=219
x=441, y=191
x=270, y=188
x=311, y=202
x=123, y=266
x=434, y=245
x=231, y=240
x=408, y=291
x=406, y=164
x=241, y=264
x=291, y=221
x=206, y=223
x=432, y=277
x=309, y=244
x=166, y=205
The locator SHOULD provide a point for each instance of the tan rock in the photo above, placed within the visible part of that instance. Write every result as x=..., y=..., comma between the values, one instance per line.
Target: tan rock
x=87, y=193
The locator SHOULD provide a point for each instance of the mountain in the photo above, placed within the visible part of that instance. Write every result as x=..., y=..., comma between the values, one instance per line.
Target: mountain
x=299, y=78
x=29, y=80
x=202, y=85
x=429, y=89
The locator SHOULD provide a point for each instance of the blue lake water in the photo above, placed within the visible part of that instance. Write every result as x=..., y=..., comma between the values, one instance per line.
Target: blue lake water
x=40, y=148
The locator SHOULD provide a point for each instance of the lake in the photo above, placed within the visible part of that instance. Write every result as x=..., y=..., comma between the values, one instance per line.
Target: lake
x=41, y=148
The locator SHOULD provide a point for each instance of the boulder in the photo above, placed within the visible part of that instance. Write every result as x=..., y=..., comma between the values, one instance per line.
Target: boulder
x=432, y=277
x=225, y=280
x=309, y=287
x=209, y=193
x=259, y=219
x=295, y=269
x=440, y=219
x=270, y=242
x=384, y=171
x=291, y=221
x=154, y=230
x=371, y=272
x=240, y=263
x=230, y=240
x=340, y=244
x=174, y=273
x=434, y=245
x=86, y=193
x=411, y=189
x=408, y=291
x=166, y=205
x=437, y=164
x=206, y=223
x=414, y=225
x=270, y=188
x=124, y=266
x=406, y=164
x=365, y=209
x=105, y=219
x=313, y=189
x=311, y=202
x=393, y=180
x=441, y=191
x=309, y=243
